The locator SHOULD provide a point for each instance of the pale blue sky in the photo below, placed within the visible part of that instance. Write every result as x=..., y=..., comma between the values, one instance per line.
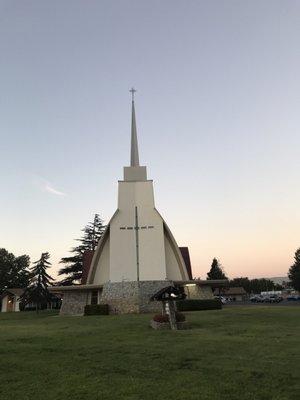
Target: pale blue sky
x=217, y=113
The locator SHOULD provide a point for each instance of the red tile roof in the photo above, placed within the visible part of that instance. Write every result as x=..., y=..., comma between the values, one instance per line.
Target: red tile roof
x=87, y=261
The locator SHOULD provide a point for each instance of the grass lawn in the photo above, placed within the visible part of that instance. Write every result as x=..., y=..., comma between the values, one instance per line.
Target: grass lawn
x=238, y=353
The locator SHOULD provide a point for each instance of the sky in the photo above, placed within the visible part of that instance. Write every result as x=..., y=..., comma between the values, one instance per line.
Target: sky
x=217, y=108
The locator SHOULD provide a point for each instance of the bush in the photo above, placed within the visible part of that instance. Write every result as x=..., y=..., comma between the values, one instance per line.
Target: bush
x=96, y=309
x=198, y=304
x=165, y=318
x=161, y=318
x=180, y=317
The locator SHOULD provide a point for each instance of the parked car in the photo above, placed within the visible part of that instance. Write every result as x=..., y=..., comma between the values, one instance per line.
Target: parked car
x=293, y=297
x=257, y=298
x=223, y=300
x=273, y=298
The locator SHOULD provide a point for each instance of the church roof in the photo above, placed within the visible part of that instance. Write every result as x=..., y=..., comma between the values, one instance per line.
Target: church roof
x=87, y=261
x=14, y=291
x=186, y=257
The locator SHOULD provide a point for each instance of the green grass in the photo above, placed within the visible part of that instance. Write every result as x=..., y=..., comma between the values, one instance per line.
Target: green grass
x=238, y=353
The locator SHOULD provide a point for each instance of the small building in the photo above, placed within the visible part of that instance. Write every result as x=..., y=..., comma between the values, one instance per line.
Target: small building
x=232, y=293
x=11, y=299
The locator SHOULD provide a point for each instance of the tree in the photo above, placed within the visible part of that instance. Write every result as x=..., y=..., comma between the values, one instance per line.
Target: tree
x=74, y=263
x=13, y=270
x=241, y=282
x=216, y=271
x=294, y=271
x=255, y=285
x=37, y=292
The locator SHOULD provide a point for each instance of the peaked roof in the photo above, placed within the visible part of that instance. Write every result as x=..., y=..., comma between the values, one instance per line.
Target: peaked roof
x=14, y=291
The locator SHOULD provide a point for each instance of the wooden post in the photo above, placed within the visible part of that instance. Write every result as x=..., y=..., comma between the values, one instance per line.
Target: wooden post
x=172, y=316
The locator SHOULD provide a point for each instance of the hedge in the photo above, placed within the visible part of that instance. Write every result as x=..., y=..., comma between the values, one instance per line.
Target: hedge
x=96, y=309
x=198, y=304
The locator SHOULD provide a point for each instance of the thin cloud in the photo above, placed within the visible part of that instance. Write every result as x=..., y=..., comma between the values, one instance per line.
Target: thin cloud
x=46, y=186
x=50, y=189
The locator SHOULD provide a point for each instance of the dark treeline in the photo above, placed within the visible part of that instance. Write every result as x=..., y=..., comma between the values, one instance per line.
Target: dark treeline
x=255, y=286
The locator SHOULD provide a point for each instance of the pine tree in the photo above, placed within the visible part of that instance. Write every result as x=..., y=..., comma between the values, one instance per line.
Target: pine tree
x=74, y=264
x=216, y=271
x=294, y=271
x=37, y=291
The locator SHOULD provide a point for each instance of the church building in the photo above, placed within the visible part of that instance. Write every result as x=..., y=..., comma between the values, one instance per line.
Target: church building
x=137, y=254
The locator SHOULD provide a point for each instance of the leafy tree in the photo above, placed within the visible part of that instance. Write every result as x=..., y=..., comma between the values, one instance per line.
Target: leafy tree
x=216, y=271
x=294, y=272
x=13, y=270
x=37, y=291
x=262, y=285
x=74, y=263
x=255, y=285
x=241, y=282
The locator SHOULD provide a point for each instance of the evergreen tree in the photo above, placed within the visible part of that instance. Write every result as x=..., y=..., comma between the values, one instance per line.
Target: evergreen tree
x=37, y=291
x=216, y=271
x=294, y=272
x=14, y=271
x=74, y=263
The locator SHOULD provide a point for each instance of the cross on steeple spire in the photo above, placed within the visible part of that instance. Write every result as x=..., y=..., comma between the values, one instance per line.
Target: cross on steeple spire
x=132, y=91
x=134, y=154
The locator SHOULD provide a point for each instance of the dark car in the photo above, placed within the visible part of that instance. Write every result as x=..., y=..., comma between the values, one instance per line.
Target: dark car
x=293, y=297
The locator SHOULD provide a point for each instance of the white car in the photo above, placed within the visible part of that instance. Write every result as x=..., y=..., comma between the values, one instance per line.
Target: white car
x=223, y=300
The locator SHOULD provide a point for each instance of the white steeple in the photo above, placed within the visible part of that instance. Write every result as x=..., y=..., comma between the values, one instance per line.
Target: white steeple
x=135, y=172
x=134, y=156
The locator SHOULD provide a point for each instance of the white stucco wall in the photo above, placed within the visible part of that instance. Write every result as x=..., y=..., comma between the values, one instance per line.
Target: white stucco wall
x=123, y=264
x=4, y=304
x=172, y=266
x=102, y=272
x=16, y=303
x=115, y=258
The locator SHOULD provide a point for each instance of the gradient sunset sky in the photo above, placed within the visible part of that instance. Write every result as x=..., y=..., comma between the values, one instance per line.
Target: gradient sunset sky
x=217, y=113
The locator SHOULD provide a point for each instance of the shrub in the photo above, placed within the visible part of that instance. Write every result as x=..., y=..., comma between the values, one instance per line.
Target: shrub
x=161, y=318
x=180, y=317
x=96, y=309
x=165, y=318
x=198, y=304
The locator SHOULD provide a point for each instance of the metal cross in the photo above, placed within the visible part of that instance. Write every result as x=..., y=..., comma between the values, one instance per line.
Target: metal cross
x=132, y=91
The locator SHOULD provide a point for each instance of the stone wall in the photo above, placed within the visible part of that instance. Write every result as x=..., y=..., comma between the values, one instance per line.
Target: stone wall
x=132, y=297
x=74, y=302
x=127, y=297
x=198, y=292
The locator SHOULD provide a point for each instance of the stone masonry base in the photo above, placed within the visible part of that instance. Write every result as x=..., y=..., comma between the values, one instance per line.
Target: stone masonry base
x=132, y=297
x=121, y=297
